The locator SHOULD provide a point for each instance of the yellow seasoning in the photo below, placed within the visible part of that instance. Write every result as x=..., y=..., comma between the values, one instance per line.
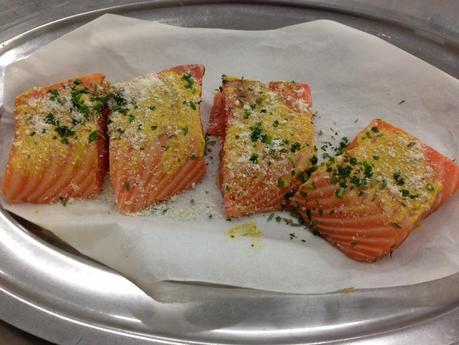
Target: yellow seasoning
x=347, y=290
x=248, y=229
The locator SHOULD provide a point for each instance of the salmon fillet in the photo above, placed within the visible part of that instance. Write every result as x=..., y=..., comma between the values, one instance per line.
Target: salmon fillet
x=156, y=136
x=59, y=149
x=367, y=200
x=268, y=147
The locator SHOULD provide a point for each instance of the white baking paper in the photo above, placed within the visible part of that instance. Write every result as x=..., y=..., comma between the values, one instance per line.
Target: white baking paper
x=354, y=77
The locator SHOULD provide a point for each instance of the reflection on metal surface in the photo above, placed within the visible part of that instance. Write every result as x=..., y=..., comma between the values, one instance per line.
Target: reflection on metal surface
x=53, y=292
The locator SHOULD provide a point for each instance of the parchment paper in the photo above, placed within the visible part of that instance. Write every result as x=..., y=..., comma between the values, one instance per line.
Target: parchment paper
x=354, y=77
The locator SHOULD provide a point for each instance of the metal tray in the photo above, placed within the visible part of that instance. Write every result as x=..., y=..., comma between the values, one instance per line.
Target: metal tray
x=65, y=298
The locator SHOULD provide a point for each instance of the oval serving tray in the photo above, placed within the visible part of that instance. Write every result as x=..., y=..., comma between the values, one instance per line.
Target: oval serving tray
x=54, y=293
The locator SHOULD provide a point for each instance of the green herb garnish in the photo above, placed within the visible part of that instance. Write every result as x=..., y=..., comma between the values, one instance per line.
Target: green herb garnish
x=189, y=82
x=280, y=183
x=93, y=136
x=340, y=192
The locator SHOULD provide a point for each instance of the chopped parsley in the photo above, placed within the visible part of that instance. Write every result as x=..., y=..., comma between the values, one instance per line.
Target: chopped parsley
x=405, y=192
x=54, y=94
x=185, y=130
x=50, y=119
x=275, y=123
x=63, y=201
x=191, y=104
x=430, y=187
x=256, y=133
x=280, y=183
x=398, y=178
x=153, y=127
x=152, y=107
x=131, y=118
x=189, y=82
x=254, y=158
x=340, y=192
x=342, y=145
x=77, y=81
x=295, y=147
x=64, y=132
x=302, y=177
x=93, y=136
x=127, y=186
x=375, y=129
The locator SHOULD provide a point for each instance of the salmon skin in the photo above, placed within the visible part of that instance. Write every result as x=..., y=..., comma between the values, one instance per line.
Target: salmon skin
x=59, y=150
x=367, y=200
x=268, y=146
x=156, y=136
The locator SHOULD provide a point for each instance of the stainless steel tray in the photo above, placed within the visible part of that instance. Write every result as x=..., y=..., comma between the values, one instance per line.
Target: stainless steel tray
x=60, y=296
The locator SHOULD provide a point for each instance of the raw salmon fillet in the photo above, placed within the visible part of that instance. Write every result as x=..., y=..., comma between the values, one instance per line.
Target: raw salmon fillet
x=156, y=136
x=268, y=147
x=367, y=200
x=59, y=149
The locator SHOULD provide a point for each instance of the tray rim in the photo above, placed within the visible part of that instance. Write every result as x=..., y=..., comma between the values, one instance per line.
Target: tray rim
x=23, y=306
